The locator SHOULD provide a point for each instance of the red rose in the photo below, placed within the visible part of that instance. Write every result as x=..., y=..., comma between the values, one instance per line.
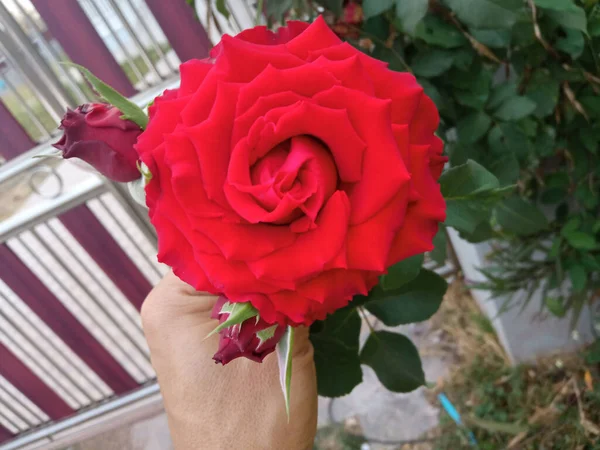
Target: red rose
x=253, y=338
x=291, y=170
x=95, y=133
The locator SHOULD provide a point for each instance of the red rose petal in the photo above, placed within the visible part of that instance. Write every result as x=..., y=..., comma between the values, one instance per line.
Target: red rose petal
x=383, y=171
x=193, y=73
x=312, y=249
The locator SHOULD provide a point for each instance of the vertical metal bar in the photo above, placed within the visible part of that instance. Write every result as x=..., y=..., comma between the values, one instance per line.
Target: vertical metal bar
x=85, y=227
x=12, y=423
x=88, y=293
x=136, y=40
x=41, y=351
x=6, y=392
x=183, y=31
x=28, y=383
x=94, y=276
x=32, y=357
x=30, y=289
x=148, y=31
x=138, y=213
x=129, y=56
x=50, y=109
x=131, y=238
x=30, y=323
x=25, y=104
x=70, y=26
x=19, y=414
x=61, y=98
x=52, y=51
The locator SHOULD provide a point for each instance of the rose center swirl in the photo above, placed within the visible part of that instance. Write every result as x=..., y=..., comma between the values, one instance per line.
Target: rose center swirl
x=296, y=178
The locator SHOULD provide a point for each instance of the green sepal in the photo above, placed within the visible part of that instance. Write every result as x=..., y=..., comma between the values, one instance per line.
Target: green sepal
x=264, y=335
x=238, y=313
x=144, y=171
x=130, y=110
x=284, y=358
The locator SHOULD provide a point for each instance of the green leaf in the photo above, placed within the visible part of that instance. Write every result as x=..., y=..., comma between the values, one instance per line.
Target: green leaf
x=284, y=357
x=578, y=277
x=516, y=140
x=500, y=160
x=432, y=62
x=401, y=273
x=222, y=8
x=482, y=232
x=477, y=91
x=336, y=342
x=416, y=301
x=515, y=108
x=462, y=187
x=410, y=13
x=557, y=5
x=373, y=8
x=335, y=6
x=483, y=13
x=473, y=127
x=555, y=306
x=465, y=215
x=438, y=254
x=130, y=110
x=492, y=38
x=544, y=90
x=238, y=313
x=278, y=9
x=466, y=180
x=520, y=217
x=501, y=93
x=573, y=43
x=574, y=19
x=580, y=240
x=395, y=360
x=436, y=31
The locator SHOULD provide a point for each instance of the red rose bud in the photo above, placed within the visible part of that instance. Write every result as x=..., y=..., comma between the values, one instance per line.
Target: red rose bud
x=253, y=339
x=95, y=133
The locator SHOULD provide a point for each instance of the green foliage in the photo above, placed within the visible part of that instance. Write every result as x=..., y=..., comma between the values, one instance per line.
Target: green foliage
x=395, y=360
x=335, y=343
x=517, y=84
x=130, y=110
x=415, y=301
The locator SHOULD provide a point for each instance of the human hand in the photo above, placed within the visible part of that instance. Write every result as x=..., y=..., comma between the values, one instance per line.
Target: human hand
x=209, y=406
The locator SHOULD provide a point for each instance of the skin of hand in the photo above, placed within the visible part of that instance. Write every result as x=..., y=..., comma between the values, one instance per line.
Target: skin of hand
x=213, y=407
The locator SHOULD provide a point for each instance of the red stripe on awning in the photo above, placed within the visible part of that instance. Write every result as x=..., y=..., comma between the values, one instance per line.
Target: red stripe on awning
x=21, y=377
x=53, y=313
x=108, y=254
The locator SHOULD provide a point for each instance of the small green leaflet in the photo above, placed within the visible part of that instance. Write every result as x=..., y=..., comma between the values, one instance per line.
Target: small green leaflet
x=284, y=358
x=130, y=110
x=238, y=312
x=222, y=8
x=264, y=335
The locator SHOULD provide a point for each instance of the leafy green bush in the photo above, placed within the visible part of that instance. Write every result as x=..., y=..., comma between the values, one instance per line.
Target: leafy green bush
x=517, y=84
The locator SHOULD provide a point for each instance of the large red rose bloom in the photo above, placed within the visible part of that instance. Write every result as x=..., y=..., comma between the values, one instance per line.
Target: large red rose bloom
x=290, y=170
